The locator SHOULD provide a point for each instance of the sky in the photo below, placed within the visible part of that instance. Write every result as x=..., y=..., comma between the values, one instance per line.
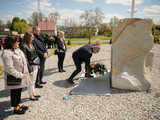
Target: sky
x=74, y=8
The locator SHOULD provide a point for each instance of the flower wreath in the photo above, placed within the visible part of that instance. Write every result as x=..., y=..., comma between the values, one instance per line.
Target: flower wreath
x=96, y=68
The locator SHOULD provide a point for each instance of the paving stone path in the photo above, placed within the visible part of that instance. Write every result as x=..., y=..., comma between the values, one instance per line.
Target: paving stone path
x=120, y=105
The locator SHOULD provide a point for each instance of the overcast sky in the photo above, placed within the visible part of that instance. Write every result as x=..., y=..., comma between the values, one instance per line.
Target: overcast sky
x=74, y=8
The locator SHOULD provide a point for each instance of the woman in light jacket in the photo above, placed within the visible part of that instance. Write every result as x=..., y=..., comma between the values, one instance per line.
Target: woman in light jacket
x=33, y=63
x=15, y=64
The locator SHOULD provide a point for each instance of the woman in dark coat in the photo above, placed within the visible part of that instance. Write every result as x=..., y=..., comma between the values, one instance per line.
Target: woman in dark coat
x=33, y=63
x=61, y=50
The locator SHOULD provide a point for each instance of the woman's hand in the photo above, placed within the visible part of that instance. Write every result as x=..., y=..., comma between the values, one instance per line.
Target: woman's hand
x=31, y=73
x=23, y=76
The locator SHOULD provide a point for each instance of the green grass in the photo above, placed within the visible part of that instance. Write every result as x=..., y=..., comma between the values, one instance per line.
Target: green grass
x=101, y=37
x=93, y=38
x=1, y=72
x=86, y=43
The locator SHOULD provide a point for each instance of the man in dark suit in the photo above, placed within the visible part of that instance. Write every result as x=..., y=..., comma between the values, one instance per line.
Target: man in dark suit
x=83, y=54
x=41, y=50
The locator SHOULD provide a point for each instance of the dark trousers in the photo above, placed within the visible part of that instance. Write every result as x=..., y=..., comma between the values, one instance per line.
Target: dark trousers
x=15, y=97
x=77, y=63
x=61, y=56
x=40, y=71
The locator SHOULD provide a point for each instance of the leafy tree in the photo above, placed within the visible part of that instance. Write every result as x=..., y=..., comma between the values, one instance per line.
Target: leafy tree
x=24, y=21
x=85, y=33
x=19, y=25
x=105, y=29
x=23, y=28
x=157, y=27
x=16, y=19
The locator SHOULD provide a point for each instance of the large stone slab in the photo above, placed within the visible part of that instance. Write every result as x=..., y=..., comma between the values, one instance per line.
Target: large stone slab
x=97, y=86
x=131, y=58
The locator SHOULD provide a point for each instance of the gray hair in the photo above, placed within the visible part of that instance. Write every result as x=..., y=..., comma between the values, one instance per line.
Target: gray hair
x=61, y=32
x=35, y=28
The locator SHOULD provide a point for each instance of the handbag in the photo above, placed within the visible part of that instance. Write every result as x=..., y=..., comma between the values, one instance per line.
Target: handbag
x=36, y=61
x=56, y=52
x=11, y=80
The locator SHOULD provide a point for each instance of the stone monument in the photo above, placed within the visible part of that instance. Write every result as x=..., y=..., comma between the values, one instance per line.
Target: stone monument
x=131, y=58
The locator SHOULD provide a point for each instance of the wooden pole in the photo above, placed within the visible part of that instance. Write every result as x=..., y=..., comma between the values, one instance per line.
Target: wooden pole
x=132, y=8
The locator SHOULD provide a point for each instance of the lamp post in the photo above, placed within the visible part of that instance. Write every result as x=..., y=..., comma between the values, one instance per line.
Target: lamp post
x=132, y=8
x=38, y=10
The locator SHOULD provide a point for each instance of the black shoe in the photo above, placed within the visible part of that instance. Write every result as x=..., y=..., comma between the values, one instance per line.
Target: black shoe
x=34, y=99
x=19, y=111
x=63, y=71
x=24, y=107
x=38, y=86
x=43, y=82
x=37, y=96
x=70, y=81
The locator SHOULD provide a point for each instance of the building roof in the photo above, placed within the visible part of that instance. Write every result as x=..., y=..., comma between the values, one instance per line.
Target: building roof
x=47, y=26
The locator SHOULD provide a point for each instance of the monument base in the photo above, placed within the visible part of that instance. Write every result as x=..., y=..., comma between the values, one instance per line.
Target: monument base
x=97, y=86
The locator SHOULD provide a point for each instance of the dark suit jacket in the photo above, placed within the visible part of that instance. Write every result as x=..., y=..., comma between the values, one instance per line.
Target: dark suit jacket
x=84, y=54
x=39, y=45
x=60, y=44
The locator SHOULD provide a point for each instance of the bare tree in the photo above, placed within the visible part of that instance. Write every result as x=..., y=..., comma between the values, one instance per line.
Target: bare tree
x=1, y=25
x=113, y=21
x=69, y=24
x=1, y=22
x=54, y=17
x=8, y=24
x=36, y=18
x=92, y=19
x=99, y=16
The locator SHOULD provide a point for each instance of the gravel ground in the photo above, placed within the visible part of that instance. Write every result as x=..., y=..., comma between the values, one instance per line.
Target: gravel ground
x=120, y=105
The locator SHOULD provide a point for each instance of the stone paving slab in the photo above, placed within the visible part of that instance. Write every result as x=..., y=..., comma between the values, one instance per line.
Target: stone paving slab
x=99, y=85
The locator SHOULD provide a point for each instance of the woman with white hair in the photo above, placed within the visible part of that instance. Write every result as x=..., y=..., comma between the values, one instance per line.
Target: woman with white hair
x=61, y=49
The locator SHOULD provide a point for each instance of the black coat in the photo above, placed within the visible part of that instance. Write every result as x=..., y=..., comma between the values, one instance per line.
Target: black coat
x=84, y=54
x=61, y=44
x=31, y=55
x=39, y=45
